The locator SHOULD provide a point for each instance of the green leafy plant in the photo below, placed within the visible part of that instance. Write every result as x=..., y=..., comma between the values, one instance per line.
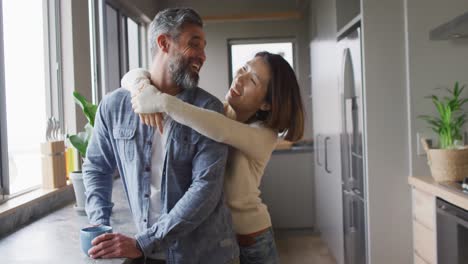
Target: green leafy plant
x=81, y=140
x=448, y=124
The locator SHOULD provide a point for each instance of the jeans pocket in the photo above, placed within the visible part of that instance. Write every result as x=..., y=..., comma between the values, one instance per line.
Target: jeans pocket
x=262, y=252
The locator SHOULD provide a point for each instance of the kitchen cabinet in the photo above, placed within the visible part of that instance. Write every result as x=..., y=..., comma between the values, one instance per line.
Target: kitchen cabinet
x=424, y=243
x=436, y=240
x=288, y=191
x=327, y=125
x=424, y=226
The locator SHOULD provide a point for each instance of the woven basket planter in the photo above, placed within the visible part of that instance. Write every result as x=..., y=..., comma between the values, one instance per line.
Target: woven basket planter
x=447, y=164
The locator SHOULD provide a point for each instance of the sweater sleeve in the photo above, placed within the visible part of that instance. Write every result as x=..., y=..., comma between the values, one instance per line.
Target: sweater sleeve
x=255, y=141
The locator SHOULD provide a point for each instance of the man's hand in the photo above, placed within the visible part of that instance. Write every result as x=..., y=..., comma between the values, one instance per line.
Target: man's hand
x=154, y=120
x=114, y=245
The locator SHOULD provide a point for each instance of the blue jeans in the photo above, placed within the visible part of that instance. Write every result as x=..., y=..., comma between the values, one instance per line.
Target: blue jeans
x=262, y=252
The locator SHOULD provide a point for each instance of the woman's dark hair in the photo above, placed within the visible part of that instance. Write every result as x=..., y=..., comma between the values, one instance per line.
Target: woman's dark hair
x=284, y=95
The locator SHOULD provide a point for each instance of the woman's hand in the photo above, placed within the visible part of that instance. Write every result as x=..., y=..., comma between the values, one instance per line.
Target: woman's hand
x=135, y=81
x=149, y=100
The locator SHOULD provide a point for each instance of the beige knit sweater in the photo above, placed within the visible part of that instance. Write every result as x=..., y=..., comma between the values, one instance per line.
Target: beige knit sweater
x=250, y=151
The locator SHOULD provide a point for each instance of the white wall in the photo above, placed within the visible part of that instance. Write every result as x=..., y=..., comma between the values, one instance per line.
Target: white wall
x=143, y=9
x=148, y=7
x=214, y=76
x=389, y=199
x=432, y=64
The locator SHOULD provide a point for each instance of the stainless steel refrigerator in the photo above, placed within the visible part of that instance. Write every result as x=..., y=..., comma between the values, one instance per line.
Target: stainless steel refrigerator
x=354, y=196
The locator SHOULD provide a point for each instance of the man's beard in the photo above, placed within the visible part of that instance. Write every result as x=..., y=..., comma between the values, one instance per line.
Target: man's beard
x=181, y=72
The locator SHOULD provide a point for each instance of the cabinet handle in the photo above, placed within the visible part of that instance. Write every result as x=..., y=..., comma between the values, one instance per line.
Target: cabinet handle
x=326, y=154
x=317, y=150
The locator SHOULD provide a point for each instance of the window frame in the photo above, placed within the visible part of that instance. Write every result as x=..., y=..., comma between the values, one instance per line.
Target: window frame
x=4, y=179
x=53, y=87
x=260, y=40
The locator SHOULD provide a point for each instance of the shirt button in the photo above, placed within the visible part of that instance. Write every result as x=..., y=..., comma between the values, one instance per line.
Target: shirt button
x=146, y=195
x=149, y=143
x=144, y=220
x=147, y=168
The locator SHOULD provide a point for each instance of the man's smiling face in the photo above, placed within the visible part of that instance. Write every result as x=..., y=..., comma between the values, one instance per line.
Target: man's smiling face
x=187, y=56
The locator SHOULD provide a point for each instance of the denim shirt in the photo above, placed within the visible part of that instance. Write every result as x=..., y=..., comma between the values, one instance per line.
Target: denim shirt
x=195, y=224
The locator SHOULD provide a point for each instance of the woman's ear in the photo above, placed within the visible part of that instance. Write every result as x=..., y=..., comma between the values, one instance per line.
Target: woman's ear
x=265, y=106
x=163, y=42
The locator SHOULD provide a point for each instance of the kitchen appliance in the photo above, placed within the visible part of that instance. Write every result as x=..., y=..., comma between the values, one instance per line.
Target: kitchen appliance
x=452, y=233
x=354, y=198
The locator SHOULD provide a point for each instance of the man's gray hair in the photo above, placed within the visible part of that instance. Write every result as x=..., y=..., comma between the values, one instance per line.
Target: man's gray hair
x=170, y=21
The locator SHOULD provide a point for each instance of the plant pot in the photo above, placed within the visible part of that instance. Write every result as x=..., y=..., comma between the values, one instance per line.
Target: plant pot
x=447, y=164
x=79, y=188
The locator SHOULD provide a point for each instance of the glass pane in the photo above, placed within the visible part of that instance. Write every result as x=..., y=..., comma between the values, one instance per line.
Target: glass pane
x=241, y=53
x=113, y=54
x=25, y=91
x=133, y=44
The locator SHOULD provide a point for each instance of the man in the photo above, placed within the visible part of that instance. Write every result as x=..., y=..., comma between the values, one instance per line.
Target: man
x=173, y=181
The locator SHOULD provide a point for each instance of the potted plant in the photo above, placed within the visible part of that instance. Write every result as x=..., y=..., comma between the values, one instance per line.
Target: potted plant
x=450, y=161
x=80, y=143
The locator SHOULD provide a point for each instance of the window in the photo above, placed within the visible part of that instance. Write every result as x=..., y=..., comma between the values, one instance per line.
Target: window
x=133, y=47
x=117, y=41
x=28, y=89
x=113, y=58
x=242, y=51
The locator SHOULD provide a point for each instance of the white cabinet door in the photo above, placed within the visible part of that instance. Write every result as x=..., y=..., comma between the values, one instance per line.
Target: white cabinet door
x=327, y=127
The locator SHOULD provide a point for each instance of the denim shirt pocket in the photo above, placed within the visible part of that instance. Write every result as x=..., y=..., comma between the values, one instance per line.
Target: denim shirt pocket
x=125, y=140
x=184, y=140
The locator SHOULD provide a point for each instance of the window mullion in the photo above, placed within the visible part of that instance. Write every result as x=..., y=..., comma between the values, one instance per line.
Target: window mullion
x=123, y=44
x=52, y=49
x=4, y=179
x=58, y=83
x=48, y=60
x=94, y=50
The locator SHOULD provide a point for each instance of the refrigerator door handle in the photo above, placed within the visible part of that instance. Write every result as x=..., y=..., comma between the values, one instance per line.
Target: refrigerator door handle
x=356, y=190
x=350, y=203
x=317, y=150
x=326, y=154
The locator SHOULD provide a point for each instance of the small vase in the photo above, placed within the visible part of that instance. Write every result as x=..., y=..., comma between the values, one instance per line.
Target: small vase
x=79, y=188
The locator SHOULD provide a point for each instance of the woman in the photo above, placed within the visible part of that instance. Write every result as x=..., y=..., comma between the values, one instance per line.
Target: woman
x=263, y=100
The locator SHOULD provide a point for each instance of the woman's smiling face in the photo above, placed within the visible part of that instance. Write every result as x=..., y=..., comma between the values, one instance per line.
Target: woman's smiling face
x=249, y=87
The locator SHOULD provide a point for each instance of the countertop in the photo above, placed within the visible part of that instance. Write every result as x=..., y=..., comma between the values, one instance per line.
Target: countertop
x=428, y=185
x=294, y=149
x=55, y=238
x=297, y=147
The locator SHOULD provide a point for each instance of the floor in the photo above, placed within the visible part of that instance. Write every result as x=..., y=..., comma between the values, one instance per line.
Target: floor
x=302, y=247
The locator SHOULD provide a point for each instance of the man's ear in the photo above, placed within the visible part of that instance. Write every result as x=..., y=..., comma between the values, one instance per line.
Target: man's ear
x=265, y=106
x=163, y=42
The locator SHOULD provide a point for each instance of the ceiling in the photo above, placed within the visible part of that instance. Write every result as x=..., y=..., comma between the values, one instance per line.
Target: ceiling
x=229, y=8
